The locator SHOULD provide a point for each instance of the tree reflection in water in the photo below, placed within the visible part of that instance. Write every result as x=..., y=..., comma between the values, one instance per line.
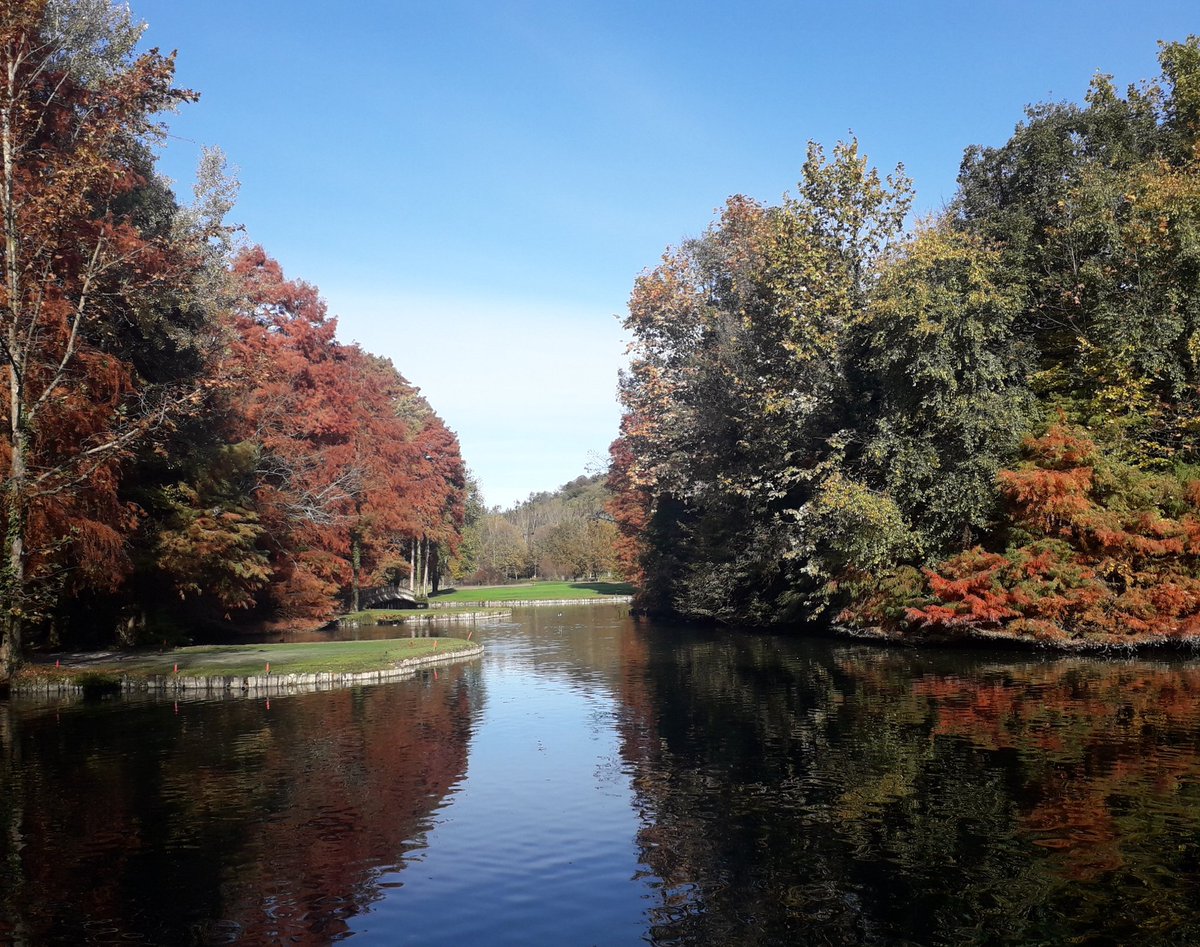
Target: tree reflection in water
x=767, y=790
x=221, y=821
x=819, y=792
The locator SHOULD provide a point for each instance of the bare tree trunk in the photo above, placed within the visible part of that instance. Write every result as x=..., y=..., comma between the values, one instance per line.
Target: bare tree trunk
x=14, y=538
x=10, y=649
x=14, y=568
x=355, y=565
x=425, y=567
x=13, y=565
x=412, y=565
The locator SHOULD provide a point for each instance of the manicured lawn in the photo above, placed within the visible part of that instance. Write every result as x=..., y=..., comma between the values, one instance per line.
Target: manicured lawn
x=536, y=591
x=398, y=615
x=245, y=660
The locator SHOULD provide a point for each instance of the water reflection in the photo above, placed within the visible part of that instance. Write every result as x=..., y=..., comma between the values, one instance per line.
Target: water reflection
x=627, y=782
x=826, y=793
x=221, y=821
x=540, y=844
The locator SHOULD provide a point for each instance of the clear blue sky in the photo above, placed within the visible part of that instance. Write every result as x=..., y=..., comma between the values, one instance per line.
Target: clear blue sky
x=475, y=185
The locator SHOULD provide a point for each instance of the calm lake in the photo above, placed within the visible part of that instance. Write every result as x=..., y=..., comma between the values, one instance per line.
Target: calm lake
x=596, y=780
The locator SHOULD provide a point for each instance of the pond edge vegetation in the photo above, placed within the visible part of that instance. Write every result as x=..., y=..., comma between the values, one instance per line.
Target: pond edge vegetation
x=983, y=428
x=187, y=444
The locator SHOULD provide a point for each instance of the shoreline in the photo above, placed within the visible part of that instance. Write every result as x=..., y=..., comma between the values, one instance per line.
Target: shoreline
x=376, y=617
x=967, y=640
x=523, y=603
x=975, y=638
x=235, y=685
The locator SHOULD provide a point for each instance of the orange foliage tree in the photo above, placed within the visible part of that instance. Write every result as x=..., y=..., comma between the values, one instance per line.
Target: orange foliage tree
x=356, y=475
x=1101, y=551
x=85, y=269
x=629, y=507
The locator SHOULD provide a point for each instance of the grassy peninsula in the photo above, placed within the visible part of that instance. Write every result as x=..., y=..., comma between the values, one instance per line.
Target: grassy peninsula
x=535, y=592
x=338, y=657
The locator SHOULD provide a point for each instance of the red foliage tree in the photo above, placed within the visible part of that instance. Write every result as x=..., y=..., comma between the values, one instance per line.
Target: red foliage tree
x=630, y=508
x=1104, y=551
x=80, y=269
x=356, y=472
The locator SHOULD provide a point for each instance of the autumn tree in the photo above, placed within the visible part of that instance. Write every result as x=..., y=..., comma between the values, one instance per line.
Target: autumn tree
x=357, y=480
x=558, y=525
x=943, y=398
x=821, y=411
x=183, y=428
x=736, y=389
x=502, y=549
x=466, y=560
x=100, y=341
x=1101, y=551
x=629, y=506
x=576, y=549
x=1093, y=207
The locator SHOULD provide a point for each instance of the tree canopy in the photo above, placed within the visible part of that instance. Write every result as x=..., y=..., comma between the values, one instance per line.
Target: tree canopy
x=827, y=413
x=186, y=439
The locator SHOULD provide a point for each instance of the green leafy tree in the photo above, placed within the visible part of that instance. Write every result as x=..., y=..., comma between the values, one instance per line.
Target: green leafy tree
x=943, y=387
x=466, y=561
x=1094, y=207
x=738, y=383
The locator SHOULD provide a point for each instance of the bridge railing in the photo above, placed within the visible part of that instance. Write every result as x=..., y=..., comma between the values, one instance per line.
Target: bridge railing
x=388, y=593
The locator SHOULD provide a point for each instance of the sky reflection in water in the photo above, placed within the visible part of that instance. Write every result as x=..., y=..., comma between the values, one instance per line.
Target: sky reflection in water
x=596, y=780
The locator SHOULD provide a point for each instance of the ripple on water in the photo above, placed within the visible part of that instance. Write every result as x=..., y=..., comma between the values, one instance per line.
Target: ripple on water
x=595, y=780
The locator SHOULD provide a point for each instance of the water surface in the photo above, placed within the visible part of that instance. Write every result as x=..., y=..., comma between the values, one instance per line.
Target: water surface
x=597, y=780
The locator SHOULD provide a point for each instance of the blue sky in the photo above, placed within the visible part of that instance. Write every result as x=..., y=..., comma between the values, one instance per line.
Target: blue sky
x=475, y=186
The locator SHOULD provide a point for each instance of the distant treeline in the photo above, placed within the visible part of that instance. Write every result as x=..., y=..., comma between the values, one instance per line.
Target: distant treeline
x=989, y=423
x=560, y=534
x=186, y=441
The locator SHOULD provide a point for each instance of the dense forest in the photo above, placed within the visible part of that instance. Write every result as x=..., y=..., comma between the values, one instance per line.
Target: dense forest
x=555, y=534
x=186, y=438
x=983, y=424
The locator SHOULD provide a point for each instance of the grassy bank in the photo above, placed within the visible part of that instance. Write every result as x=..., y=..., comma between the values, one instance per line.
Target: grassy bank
x=398, y=616
x=535, y=592
x=339, y=657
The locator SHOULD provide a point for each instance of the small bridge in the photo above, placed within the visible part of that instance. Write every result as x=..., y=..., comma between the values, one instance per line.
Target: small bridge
x=391, y=596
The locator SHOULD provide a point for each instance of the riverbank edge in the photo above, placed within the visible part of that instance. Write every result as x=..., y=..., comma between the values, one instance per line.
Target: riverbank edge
x=972, y=638
x=241, y=685
x=966, y=639
x=524, y=603
x=350, y=621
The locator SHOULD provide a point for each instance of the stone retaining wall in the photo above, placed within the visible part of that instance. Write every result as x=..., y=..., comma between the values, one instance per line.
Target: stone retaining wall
x=606, y=600
x=252, y=686
x=409, y=619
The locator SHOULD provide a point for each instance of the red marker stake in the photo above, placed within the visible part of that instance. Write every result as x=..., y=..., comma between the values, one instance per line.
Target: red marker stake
x=268, y=667
x=176, y=667
x=56, y=662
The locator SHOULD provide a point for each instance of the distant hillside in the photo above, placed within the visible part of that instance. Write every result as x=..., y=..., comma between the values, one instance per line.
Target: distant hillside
x=559, y=534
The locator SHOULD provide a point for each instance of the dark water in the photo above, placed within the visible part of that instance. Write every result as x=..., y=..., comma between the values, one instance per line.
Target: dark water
x=594, y=780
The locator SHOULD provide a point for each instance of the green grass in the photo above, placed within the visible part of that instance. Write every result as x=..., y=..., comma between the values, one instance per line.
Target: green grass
x=246, y=660
x=536, y=591
x=399, y=615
